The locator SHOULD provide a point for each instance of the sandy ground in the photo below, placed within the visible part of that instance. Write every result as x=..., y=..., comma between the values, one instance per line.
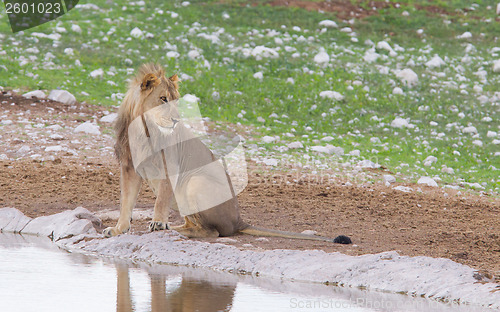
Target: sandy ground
x=462, y=227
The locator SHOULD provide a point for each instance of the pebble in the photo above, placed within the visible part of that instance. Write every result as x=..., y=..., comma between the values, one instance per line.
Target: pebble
x=35, y=94
x=62, y=96
x=427, y=181
x=88, y=127
x=403, y=189
x=389, y=178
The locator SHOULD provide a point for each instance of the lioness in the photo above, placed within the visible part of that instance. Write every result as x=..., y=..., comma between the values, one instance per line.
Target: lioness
x=149, y=89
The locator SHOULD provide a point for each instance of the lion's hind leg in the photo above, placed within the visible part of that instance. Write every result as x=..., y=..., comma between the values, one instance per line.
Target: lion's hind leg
x=193, y=229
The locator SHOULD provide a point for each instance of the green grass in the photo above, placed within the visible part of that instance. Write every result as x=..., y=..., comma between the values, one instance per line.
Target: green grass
x=349, y=121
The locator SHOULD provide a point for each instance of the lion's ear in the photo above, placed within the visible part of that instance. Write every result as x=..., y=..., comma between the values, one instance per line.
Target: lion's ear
x=174, y=78
x=149, y=81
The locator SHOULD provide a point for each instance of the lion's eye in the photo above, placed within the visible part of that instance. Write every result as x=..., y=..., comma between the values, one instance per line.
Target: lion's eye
x=163, y=98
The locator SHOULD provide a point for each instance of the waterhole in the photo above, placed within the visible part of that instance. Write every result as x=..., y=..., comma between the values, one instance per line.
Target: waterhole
x=36, y=275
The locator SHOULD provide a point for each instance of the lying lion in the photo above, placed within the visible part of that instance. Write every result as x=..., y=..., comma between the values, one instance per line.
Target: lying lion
x=147, y=91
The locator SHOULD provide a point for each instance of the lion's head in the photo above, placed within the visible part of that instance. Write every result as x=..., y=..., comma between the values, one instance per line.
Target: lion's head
x=148, y=89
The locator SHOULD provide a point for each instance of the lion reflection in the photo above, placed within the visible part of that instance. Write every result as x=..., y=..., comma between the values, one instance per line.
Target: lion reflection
x=191, y=295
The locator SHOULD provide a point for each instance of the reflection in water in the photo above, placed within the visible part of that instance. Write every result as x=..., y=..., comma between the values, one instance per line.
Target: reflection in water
x=35, y=275
x=189, y=296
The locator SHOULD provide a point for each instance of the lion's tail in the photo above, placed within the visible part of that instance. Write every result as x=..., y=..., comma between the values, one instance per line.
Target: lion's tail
x=258, y=231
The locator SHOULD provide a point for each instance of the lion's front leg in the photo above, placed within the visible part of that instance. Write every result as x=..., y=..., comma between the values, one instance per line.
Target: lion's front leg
x=130, y=184
x=162, y=209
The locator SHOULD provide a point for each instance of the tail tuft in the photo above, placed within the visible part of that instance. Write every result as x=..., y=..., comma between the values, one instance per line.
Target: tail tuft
x=342, y=239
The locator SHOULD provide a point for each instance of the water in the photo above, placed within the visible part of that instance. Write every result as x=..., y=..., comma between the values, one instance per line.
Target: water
x=36, y=275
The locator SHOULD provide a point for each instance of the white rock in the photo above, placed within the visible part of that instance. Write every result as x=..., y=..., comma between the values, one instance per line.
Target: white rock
x=68, y=51
x=109, y=118
x=465, y=35
x=399, y=122
x=270, y=162
x=355, y=153
x=398, y=90
x=55, y=148
x=173, y=54
x=137, y=33
x=309, y=232
x=190, y=98
x=327, y=139
x=491, y=134
x=478, y=143
x=7, y=122
x=328, y=149
x=268, y=139
x=322, y=58
x=62, y=96
x=402, y=188
x=227, y=240
x=495, y=141
x=331, y=95
x=498, y=8
x=430, y=160
x=470, y=129
x=427, y=181
x=320, y=149
x=367, y=163
x=258, y=75
x=88, y=127
x=496, y=66
x=193, y=54
x=63, y=225
x=76, y=28
x=389, y=178
x=328, y=23
x=435, y=62
x=371, y=56
x=12, y=220
x=408, y=77
x=383, y=45
x=24, y=149
x=447, y=170
x=37, y=94
x=55, y=127
x=295, y=145
x=97, y=73
x=56, y=137
x=260, y=52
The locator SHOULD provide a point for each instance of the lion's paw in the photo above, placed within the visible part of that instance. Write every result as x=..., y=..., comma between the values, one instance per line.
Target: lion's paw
x=158, y=226
x=112, y=231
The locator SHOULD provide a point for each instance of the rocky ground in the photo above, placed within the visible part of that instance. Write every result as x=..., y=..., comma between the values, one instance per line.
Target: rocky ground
x=48, y=167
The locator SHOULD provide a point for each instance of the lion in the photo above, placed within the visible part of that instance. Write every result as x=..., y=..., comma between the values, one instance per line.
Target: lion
x=149, y=89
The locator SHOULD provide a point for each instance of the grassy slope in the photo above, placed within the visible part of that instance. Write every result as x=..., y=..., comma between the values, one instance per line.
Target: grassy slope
x=348, y=121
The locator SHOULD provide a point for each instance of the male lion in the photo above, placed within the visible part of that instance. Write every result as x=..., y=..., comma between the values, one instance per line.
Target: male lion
x=147, y=91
